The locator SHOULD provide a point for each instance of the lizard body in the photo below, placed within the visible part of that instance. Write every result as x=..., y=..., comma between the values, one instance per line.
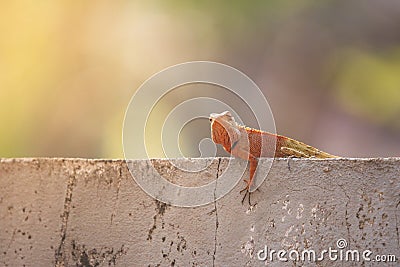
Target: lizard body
x=251, y=144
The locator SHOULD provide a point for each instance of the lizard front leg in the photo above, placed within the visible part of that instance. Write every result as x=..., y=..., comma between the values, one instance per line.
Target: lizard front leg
x=252, y=169
x=245, y=154
x=240, y=151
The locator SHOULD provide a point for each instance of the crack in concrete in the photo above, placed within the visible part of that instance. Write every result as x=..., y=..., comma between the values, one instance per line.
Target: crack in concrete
x=160, y=208
x=397, y=226
x=216, y=213
x=346, y=213
x=397, y=232
x=116, y=200
x=322, y=188
x=59, y=253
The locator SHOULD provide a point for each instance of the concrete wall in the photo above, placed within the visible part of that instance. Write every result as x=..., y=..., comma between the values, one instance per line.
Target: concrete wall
x=77, y=212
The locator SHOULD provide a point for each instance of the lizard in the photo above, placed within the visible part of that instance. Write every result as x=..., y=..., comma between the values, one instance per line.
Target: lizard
x=246, y=143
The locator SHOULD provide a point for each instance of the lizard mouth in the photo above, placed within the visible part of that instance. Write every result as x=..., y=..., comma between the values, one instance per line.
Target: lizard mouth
x=213, y=116
x=220, y=116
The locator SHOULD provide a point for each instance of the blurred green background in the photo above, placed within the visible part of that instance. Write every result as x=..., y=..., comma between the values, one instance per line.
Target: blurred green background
x=329, y=69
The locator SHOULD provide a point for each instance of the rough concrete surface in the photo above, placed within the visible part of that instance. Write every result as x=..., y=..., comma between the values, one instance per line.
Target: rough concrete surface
x=80, y=212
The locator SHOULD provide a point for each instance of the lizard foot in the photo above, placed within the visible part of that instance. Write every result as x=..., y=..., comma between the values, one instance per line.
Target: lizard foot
x=247, y=192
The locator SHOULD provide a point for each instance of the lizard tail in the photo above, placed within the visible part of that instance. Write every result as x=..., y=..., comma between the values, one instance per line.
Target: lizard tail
x=291, y=147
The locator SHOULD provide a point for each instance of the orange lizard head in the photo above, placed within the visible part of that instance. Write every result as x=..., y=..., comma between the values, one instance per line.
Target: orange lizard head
x=224, y=129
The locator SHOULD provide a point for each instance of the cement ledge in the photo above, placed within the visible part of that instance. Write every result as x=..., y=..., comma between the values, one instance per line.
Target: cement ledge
x=84, y=212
